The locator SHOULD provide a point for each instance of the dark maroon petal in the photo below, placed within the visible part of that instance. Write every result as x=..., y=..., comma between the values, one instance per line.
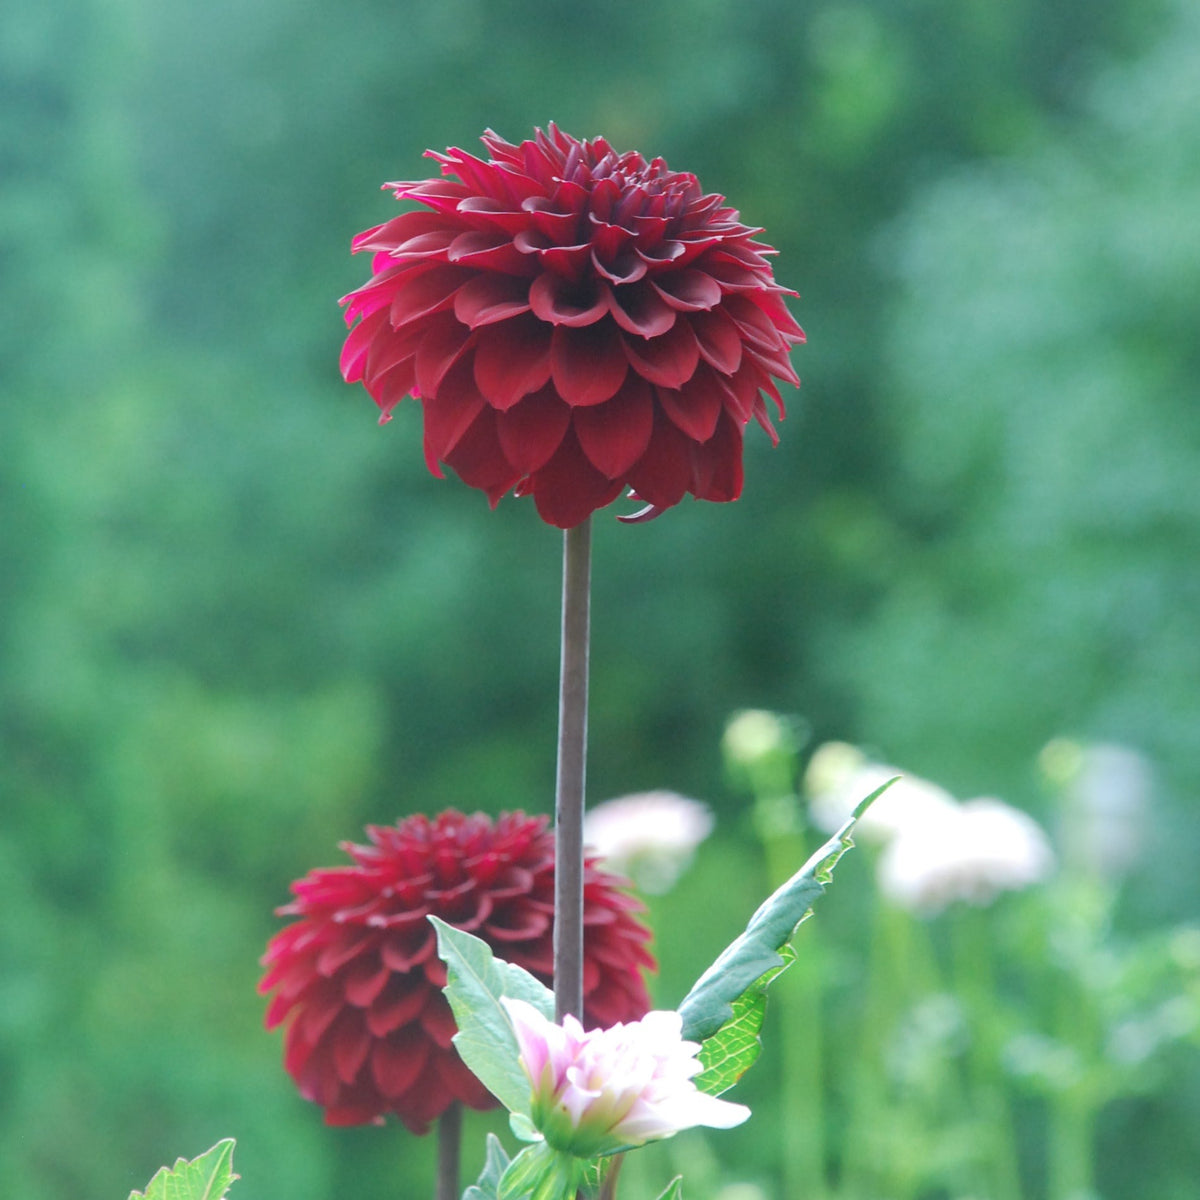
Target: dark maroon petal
x=669, y=360
x=688, y=290
x=719, y=340
x=615, y=434
x=443, y=343
x=399, y=1004
x=512, y=359
x=398, y=1059
x=640, y=310
x=479, y=460
x=438, y=1021
x=588, y=365
x=567, y=490
x=695, y=408
x=625, y=267
x=351, y=1045
x=365, y=980
x=557, y=225
x=447, y=417
x=663, y=474
x=532, y=430
x=488, y=298
x=717, y=465
x=558, y=301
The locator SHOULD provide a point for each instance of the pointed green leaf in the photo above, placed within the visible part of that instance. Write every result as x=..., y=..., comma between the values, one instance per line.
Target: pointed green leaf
x=674, y=1190
x=475, y=981
x=735, y=1047
x=487, y=1186
x=205, y=1178
x=756, y=952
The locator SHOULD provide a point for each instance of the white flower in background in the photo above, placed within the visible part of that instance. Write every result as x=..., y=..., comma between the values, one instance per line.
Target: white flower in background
x=839, y=776
x=970, y=852
x=754, y=733
x=596, y=1092
x=1106, y=791
x=649, y=836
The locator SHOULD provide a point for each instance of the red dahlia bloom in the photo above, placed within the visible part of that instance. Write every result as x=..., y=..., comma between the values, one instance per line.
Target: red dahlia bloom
x=574, y=321
x=359, y=976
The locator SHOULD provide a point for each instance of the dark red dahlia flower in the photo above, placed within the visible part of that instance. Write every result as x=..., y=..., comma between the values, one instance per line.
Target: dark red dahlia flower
x=574, y=321
x=359, y=977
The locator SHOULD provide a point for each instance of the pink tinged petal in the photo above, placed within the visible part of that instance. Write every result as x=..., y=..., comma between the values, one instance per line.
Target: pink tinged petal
x=354, y=352
x=587, y=364
x=532, y=430
x=614, y=435
x=558, y=301
x=487, y=299
x=688, y=290
x=568, y=489
x=479, y=461
x=757, y=328
x=512, y=360
x=669, y=360
x=432, y=245
x=695, y=408
x=663, y=474
x=447, y=418
x=339, y=952
x=764, y=419
x=393, y=234
x=549, y=220
x=570, y=262
x=426, y=290
x=719, y=340
x=640, y=310
x=495, y=214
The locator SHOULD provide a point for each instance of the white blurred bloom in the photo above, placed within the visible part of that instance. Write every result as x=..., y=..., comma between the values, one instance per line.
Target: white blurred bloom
x=595, y=1092
x=840, y=775
x=649, y=836
x=755, y=733
x=969, y=852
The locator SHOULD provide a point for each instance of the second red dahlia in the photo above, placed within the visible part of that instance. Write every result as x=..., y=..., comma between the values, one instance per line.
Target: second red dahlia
x=356, y=975
x=575, y=322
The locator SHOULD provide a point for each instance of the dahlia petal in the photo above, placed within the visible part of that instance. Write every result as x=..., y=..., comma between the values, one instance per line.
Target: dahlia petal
x=587, y=364
x=566, y=491
x=615, y=434
x=443, y=342
x=389, y=349
x=340, y=951
x=432, y=245
x=758, y=330
x=689, y=290
x=529, y=434
x=351, y=1045
x=392, y=234
x=719, y=340
x=570, y=262
x=695, y=407
x=390, y=389
x=479, y=459
x=512, y=360
x=489, y=213
x=662, y=475
x=717, y=465
x=607, y=240
x=560, y=227
x=487, y=250
x=438, y=1021
x=487, y=299
x=321, y=1007
x=358, y=342
x=427, y=289
x=620, y=268
x=402, y=954
x=764, y=419
x=560, y=302
x=278, y=1010
x=398, y=1059
x=400, y=1003
x=663, y=254
x=447, y=418
x=640, y=310
x=364, y=981
x=669, y=360
x=516, y=923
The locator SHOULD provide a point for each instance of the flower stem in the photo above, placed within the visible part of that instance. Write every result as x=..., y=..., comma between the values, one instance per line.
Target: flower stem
x=572, y=769
x=449, y=1136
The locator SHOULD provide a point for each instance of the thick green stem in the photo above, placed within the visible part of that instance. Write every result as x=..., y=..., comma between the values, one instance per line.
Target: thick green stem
x=449, y=1137
x=572, y=771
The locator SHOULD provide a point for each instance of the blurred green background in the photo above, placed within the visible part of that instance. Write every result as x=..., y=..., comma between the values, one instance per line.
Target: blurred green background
x=238, y=620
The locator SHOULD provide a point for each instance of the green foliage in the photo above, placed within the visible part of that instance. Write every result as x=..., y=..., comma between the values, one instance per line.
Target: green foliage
x=476, y=981
x=673, y=1190
x=748, y=964
x=205, y=1178
x=487, y=1186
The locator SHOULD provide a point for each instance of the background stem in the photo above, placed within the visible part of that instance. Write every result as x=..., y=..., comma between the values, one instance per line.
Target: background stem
x=449, y=1135
x=572, y=769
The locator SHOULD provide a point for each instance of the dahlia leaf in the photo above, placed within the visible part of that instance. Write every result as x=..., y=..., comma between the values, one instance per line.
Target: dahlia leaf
x=755, y=953
x=735, y=1047
x=205, y=1178
x=674, y=1189
x=476, y=980
x=487, y=1186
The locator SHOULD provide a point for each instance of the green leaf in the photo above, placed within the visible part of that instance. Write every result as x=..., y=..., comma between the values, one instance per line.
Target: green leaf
x=756, y=952
x=205, y=1178
x=674, y=1189
x=476, y=979
x=735, y=1047
x=487, y=1186
x=542, y=1174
